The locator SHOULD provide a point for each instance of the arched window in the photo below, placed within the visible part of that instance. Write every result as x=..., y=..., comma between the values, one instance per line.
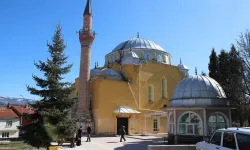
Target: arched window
x=163, y=58
x=142, y=55
x=190, y=124
x=153, y=56
x=163, y=87
x=216, y=121
x=171, y=123
x=150, y=94
x=117, y=56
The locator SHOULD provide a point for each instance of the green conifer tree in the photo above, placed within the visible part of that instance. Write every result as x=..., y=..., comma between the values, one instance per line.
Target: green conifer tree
x=51, y=120
x=213, y=65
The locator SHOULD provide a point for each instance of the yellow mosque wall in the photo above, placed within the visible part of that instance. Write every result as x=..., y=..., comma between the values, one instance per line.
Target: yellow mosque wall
x=108, y=95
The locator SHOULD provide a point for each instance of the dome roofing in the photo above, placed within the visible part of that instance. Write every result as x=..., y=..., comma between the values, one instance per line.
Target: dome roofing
x=183, y=67
x=109, y=72
x=95, y=72
x=130, y=54
x=197, y=86
x=138, y=43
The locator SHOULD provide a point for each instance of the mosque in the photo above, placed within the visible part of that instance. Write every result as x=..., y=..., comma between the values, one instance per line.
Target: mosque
x=139, y=88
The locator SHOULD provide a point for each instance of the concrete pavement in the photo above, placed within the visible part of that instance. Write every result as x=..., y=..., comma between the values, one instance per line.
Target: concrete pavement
x=113, y=143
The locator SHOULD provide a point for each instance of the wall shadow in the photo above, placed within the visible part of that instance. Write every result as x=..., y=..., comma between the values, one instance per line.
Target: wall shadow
x=141, y=145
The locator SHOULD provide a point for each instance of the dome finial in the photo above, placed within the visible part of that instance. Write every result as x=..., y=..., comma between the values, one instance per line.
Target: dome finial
x=97, y=64
x=138, y=35
x=195, y=71
x=180, y=61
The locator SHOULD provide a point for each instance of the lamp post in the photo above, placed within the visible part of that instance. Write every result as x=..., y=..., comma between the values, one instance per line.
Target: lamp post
x=21, y=113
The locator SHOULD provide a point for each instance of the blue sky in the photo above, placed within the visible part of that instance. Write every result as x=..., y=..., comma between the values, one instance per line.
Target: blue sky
x=185, y=29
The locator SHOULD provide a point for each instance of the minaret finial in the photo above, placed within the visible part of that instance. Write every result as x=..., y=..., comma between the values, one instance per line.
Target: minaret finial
x=180, y=61
x=97, y=64
x=88, y=9
x=138, y=35
x=195, y=71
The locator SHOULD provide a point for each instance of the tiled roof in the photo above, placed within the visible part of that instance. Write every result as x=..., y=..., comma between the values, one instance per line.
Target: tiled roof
x=7, y=113
x=22, y=110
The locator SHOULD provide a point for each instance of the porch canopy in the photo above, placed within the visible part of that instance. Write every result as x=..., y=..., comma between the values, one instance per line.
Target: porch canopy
x=125, y=110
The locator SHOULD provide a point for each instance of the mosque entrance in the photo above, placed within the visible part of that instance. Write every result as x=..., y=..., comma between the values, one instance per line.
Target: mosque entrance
x=122, y=122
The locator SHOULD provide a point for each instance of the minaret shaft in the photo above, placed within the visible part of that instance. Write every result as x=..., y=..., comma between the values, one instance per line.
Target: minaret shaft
x=86, y=39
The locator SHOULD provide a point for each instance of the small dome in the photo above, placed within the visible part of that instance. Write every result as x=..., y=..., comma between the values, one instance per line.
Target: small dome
x=183, y=67
x=109, y=72
x=198, y=90
x=95, y=72
x=138, y=43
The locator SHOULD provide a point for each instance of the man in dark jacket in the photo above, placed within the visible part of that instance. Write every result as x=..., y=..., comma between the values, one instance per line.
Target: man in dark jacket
x=123, y=132
x=79, y=132
x=88, y=134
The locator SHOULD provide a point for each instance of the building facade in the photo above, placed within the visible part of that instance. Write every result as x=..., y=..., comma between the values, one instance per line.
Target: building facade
x=9, y=121
x=136, y=80
x=197, y=108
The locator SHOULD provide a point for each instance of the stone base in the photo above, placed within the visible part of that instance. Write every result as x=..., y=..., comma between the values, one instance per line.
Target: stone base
x=84, y=119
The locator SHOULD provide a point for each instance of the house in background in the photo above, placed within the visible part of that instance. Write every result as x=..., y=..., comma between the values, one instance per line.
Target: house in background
x=20, y=111
x=9, y=121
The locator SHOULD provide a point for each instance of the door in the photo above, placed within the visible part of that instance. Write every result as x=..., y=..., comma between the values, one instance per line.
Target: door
x=122, y=122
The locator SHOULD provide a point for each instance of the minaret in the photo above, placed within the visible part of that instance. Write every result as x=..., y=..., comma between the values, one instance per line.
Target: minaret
x=86, y=38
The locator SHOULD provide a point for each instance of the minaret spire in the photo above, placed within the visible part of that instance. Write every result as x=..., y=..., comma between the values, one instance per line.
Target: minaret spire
x=88, y=9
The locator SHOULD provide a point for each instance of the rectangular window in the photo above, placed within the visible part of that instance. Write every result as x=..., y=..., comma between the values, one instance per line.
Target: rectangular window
x=155, y=125
x=243, y=141
x=216, y=139
x=228, y=140
x=5, y=134
x=8, y=124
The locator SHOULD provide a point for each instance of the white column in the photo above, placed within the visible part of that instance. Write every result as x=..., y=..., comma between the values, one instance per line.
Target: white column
x=175, y=123
x=205, y=122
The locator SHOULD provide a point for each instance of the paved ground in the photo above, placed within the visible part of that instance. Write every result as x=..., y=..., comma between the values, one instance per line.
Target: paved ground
x=113, y=143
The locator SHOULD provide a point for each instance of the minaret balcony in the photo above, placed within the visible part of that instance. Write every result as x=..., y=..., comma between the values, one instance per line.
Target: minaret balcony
x=86, y=31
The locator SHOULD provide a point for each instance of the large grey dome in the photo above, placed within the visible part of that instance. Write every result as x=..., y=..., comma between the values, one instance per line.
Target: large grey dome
x=198, y=90
x=138, y=43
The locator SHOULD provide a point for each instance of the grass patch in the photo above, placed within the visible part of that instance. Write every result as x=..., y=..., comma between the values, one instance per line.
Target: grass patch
x=16, y=146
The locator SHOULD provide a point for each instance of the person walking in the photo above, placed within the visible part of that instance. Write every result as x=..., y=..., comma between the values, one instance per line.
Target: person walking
x=123, y=132
x=88, y=134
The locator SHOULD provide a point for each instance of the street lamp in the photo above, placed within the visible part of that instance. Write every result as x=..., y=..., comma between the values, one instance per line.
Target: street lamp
x=22, y=112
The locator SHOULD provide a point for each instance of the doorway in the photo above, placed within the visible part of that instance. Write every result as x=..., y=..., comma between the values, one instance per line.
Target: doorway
x=122, y=122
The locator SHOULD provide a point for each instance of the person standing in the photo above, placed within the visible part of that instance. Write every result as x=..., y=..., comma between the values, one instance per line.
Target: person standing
x=79, y=132
x=123, y=132
x=88, y=134
x=79, y=136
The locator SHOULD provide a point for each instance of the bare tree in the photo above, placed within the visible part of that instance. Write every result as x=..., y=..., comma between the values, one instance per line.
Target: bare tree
x=244, y=49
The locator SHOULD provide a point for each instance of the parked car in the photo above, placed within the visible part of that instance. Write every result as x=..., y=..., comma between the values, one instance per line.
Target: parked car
x=227, y=139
